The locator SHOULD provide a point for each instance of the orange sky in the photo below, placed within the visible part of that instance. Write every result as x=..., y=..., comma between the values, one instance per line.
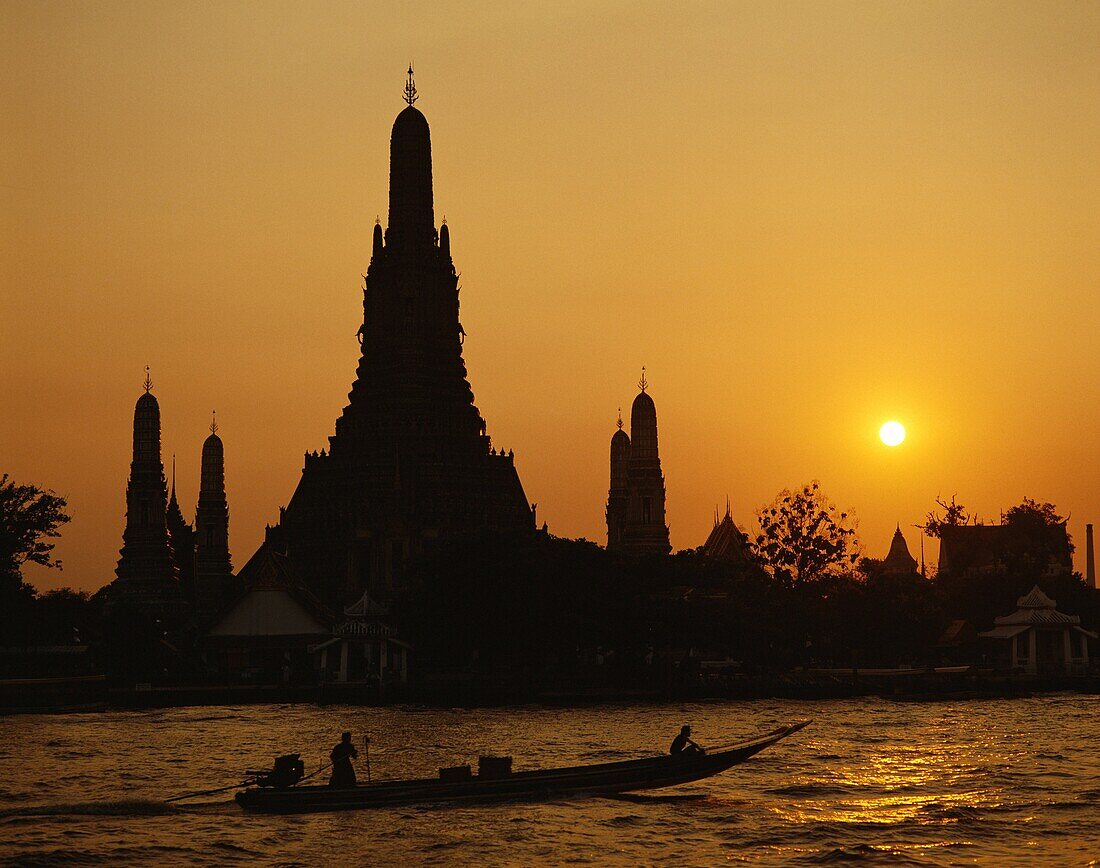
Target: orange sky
x=803, y=218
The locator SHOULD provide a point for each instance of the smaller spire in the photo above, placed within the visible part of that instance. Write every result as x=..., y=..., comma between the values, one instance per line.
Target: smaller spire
x=173, y=476
x=410, y=87
x=148, y=384
x=643, y=383
x=213, y=422
x=620, y=422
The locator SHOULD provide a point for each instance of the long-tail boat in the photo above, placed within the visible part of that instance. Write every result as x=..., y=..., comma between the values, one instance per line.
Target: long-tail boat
x=630, y=776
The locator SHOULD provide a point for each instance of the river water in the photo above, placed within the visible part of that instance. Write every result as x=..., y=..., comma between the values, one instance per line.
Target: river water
x=994, y=782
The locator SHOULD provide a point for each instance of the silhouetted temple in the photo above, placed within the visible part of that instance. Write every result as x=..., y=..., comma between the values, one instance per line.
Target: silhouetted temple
x=726, y=541
x=182, y=537
x=167, y=567
x=636, y=496
x=214, y=584
x=410, y=460
x=898, y=561
x=992, y=548
x=147, y=576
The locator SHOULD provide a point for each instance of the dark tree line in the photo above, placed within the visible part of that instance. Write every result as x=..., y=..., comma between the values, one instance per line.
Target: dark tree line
x=559, y=609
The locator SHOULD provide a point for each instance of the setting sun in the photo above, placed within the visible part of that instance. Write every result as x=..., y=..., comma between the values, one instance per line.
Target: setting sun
x=892, y=433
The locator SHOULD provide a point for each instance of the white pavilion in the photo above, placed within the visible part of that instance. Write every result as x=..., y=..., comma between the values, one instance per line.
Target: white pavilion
x=1039, y=639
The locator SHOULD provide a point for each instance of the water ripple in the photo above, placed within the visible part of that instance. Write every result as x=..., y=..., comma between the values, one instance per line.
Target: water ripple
x=871, y=782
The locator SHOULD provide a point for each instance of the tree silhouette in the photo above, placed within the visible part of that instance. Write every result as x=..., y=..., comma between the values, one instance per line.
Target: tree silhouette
x=29, y=518
x=804, y=536
x=1032, y=512
x=954, y=515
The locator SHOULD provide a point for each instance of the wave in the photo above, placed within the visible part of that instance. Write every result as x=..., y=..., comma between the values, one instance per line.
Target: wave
x=643, y=799
x=807, y=790
x=111, y=808
x=59, y=857
x=150, y=855
x=862, y=853
x=941, y=811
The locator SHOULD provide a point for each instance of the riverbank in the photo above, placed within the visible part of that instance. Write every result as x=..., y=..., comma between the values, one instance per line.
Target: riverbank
x=94, y=693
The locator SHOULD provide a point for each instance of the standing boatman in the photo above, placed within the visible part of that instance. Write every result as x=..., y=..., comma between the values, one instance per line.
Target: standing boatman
x=343, y=772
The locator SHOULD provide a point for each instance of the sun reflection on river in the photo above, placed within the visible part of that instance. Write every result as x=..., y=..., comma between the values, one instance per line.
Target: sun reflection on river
x=897, y=784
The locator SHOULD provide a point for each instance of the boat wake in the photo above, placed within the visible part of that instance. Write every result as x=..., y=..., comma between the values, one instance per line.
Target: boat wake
x=108, y=808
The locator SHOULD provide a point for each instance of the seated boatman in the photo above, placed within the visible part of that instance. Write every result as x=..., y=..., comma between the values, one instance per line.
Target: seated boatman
x=683, y=744
x=343, y=773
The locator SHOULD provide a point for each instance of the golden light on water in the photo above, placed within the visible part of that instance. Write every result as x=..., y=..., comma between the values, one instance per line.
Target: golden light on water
x=892, y=433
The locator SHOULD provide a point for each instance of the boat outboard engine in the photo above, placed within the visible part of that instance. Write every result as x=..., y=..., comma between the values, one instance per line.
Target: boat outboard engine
x=286, y=772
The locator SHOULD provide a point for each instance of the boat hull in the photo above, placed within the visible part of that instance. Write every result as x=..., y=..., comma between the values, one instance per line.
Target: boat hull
x=578, y=781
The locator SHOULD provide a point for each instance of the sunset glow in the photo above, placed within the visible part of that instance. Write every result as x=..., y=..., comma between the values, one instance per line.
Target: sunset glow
x=212, y=215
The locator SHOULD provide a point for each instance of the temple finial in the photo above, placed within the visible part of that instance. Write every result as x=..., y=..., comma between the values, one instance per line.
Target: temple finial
x=410, y=87
x=643, y=383
x=148, y=384
x=173, y=476
x=213, y=421
x=620, y=422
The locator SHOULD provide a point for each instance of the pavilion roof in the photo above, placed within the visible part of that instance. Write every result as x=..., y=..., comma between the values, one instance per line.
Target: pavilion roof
x=366, y=608
x=1036, y=608
x=1005, y=631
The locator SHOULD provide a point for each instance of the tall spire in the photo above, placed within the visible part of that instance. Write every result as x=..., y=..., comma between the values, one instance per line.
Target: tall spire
x=213, y=566
x=636, y=519
x=146, y=574
x=617, y=493
x=410, y=413
x=412, y=216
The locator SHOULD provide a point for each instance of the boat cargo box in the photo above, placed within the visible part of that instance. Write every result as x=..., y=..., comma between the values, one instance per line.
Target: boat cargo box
x=494, y=766
x=455, y=773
